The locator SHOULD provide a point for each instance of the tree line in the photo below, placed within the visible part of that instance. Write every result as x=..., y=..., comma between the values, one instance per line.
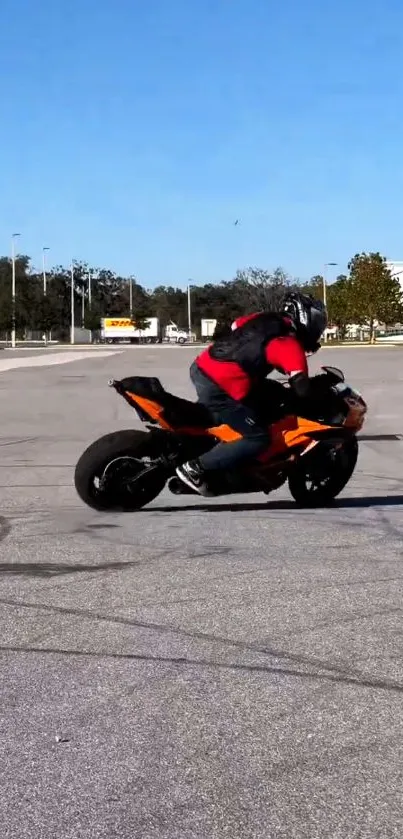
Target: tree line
x=366, y=295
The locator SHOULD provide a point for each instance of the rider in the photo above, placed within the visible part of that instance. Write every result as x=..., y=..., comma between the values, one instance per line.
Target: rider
x=228, y=372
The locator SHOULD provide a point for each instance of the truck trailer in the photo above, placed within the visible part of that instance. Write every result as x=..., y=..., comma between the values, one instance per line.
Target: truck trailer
x=208, y=326
x=117, y=330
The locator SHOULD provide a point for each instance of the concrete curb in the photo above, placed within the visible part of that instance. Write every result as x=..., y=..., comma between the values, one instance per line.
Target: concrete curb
x=361, y=346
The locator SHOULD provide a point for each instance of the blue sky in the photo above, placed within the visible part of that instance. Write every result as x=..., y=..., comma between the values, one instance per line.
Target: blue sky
x=135, y=132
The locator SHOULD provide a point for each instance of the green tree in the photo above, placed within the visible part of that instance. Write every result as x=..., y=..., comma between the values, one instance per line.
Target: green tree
x=221, y=301
x=43, y=318
x=25, y=292
x=141, y=302
x=235, y=299
x=140, y=320
x=110, y=294
x=168, y=303
x=59, y=296
x=368, y=295
x=264, y=290
x=339, y=304
x=92, y=320
x=5, y=294
x=375, y=295
x=314, y=287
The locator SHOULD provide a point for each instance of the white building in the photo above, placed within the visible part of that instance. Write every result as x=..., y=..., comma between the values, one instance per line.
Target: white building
x=396, y=269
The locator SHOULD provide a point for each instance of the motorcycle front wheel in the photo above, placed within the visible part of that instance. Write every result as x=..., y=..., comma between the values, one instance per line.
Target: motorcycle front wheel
x=314, y=483
x=120, y=472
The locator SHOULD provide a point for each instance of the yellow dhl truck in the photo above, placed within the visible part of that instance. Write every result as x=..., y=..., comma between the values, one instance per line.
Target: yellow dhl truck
x=115, y=330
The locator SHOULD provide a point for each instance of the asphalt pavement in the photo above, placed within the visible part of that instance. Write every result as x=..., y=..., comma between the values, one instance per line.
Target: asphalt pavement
x=204, y=668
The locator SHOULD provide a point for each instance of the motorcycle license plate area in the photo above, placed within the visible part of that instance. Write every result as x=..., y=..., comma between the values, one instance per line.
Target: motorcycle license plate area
x=355, y=417
x=357, y=409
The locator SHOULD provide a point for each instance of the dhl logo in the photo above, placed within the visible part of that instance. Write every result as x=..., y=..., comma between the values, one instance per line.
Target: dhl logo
x=116, y=323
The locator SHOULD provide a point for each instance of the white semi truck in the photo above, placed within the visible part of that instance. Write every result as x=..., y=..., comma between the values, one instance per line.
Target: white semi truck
x=116, y=330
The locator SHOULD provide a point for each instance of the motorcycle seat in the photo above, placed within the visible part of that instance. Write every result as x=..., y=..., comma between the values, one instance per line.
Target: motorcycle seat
x=178, y=412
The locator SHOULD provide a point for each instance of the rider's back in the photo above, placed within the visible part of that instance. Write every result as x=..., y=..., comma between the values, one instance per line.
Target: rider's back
x=237, y=360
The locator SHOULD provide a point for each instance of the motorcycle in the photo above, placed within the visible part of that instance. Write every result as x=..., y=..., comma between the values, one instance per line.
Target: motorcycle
x=314, y=448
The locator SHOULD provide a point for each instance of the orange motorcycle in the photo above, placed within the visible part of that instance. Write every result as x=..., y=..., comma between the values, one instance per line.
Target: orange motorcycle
x=314, y=448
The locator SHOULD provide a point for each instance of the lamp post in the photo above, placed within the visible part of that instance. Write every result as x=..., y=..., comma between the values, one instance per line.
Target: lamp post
x=45, y=337
x=89, y=289
x=131, y=296
x=72, y=304
x=326, y=265
x=44, y=269
x=13, y=238
x=189, y=311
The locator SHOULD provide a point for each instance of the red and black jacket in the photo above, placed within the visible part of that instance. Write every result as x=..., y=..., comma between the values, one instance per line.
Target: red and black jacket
x=238, y=361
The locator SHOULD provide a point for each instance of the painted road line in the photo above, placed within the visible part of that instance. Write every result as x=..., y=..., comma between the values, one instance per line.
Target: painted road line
x=51, y=359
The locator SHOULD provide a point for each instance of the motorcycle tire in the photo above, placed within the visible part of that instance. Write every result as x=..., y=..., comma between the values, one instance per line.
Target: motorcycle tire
x=307, y=493
x=105, y=474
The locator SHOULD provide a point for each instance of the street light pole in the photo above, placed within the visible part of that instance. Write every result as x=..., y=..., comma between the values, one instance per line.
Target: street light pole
x=13, y=238
x=72, y=305
x=326, y=265
x=44, y=269
x=89, y=290
x=189, y=313
x=131, y=296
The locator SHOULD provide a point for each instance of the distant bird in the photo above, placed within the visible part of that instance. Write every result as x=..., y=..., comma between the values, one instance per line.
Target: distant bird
x=236, y=222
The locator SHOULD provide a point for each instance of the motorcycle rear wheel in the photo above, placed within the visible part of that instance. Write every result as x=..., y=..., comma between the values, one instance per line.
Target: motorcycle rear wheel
x=310, y=491
x=117, y=473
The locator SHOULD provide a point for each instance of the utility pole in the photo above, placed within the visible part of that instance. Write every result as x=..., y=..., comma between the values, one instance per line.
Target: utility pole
x=72, y=338
x=189, y=311
x=13, y=238
x=131, y=297
x=44, y=269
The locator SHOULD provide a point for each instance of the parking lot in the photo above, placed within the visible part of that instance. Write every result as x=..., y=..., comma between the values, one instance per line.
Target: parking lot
x=203, y=668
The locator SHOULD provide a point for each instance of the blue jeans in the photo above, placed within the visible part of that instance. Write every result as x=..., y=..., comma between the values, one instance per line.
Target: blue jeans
x=241, y=417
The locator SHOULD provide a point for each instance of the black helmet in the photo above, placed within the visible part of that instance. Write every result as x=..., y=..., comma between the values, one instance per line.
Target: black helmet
x=309, y=317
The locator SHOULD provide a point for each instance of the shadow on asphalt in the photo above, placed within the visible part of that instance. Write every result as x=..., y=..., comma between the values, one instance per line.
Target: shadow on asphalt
x=233, y=507
x=383, y=438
